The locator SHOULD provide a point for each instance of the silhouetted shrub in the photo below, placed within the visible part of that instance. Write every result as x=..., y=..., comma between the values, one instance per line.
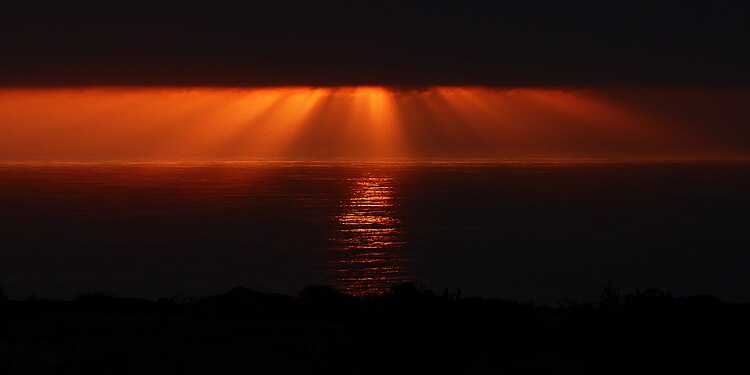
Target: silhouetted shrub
x=3, y=297
x=237, y=296
x=178, y=300
x=649, y=296
x=451, y=296
x=96, y=298
x=322, y=293
x=410, y=292
x=610, y=296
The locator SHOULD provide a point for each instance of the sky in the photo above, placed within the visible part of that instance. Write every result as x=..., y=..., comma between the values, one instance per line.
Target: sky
x=384, y=42
x=147, y=80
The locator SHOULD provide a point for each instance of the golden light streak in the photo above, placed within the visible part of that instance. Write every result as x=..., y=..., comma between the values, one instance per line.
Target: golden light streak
x=369, y=239
x=375, y=109
x=308, y=122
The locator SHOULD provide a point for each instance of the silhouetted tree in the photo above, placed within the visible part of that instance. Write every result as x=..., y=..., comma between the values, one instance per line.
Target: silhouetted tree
x=95, y=297
x=649, y=296
x=451, y=296
x=610, y=296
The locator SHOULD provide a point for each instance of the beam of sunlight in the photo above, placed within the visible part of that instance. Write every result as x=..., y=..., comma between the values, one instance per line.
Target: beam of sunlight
x=375, y=109
x=356, y=122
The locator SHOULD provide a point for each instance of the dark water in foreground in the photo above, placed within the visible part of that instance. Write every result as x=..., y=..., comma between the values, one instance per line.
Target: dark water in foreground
x=538, y=231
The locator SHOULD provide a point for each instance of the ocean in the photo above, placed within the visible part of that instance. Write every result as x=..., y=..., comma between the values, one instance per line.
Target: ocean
x=541, y=231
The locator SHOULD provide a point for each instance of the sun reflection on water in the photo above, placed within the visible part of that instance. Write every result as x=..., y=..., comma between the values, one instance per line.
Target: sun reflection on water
x=369, y=238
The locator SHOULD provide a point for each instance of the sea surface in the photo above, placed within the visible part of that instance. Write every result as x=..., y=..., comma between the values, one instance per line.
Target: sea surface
x=541, y=231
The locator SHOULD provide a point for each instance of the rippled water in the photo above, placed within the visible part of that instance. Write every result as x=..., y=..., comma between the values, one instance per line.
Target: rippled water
x=537, y=231
x=369, y=238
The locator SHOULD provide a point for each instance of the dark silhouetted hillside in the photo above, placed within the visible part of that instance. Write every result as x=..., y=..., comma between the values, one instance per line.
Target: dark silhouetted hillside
x=409, y=330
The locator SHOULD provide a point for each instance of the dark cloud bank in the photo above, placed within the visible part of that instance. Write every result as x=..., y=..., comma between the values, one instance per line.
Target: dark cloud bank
x=384, y=42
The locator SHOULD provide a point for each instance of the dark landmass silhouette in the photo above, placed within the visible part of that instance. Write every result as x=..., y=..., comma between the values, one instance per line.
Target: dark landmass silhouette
x=407, y=330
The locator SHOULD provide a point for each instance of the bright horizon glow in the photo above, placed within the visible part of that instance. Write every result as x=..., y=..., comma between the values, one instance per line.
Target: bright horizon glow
x=327, y=123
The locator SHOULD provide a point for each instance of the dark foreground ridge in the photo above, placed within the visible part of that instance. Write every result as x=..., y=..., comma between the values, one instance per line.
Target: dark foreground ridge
x=408, y=330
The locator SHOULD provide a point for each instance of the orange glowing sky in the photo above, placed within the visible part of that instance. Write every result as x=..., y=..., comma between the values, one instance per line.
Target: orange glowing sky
x=356, y=122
